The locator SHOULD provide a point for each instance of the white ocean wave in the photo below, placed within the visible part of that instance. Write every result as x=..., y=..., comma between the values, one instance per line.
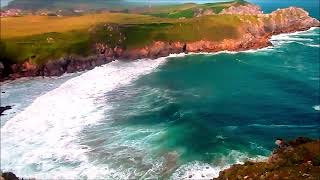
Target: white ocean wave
x=317, y=107
x=42, y=140
x=197, y=170
x=314, y=78
x=200, y=170
x=281, y=126
x=286, y=38
x=313, y=45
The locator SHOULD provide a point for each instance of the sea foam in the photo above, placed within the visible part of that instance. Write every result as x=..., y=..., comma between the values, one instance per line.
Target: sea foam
x=317, y=107
x=296, y=37
x=200, y=170
x=41, y=140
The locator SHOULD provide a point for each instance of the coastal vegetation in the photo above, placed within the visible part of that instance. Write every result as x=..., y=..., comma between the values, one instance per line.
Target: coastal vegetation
x=189, y=10
x=29, y=42
x=58, y=4
x=42, y=37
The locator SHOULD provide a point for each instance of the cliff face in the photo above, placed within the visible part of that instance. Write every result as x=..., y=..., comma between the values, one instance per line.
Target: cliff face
x=248, y=9
x=254, y=32
x=287, y=20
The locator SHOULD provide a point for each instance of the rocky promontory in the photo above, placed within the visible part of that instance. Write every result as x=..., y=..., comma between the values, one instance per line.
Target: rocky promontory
x=254, y=32
x=295, y=160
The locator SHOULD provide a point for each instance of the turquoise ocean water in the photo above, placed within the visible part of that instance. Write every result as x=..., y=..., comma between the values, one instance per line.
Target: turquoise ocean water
x=169, y=118
x=166, y=118
x=312, y=6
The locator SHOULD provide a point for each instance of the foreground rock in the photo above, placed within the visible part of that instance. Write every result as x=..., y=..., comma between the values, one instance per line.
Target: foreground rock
x=8, y=176
x=295, y=160
x=254, y=33
x=2, y=109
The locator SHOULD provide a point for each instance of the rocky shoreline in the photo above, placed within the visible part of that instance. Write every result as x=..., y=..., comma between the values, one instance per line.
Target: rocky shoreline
x=297, y=160
x=253, y=36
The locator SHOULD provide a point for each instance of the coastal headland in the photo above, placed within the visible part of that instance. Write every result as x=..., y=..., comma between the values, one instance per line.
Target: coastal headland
x=34, y=45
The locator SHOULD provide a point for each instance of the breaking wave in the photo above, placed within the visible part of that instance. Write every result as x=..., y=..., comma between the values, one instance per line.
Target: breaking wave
x=42, y=140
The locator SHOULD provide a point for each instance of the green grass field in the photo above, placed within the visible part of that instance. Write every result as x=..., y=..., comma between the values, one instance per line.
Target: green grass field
x=188, y=10
x=42, y=38
x=63, y=4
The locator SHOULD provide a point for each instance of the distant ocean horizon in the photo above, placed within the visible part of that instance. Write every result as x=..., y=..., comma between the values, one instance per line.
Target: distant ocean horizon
x=312, y=6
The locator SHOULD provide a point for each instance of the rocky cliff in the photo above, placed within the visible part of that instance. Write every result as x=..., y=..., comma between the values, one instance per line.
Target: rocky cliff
x=255, y=32
x=297, y=160
x=248, y=9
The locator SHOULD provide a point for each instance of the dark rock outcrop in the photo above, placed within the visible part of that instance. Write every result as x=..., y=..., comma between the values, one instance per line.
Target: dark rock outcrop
x=298, y=159
x=9, y=176
x=2, y=109
x=58, y=67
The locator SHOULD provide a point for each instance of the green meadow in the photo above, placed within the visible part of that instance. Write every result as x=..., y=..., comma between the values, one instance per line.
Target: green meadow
x=43, y=38
x=187, y=10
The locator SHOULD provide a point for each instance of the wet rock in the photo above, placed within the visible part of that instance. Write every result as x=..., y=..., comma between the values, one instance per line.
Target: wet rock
x=2, y=109
x=1, y=69
x=170, y=164
x=9, y=176
x=55, y=68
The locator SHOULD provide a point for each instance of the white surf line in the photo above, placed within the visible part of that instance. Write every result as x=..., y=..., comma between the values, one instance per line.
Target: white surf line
x=290, y=37
x=202, y=171
x=41, y=141
x=316, y=107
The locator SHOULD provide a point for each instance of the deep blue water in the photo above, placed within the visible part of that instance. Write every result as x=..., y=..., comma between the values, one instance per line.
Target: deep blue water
x=169, y=118
x=312, y=6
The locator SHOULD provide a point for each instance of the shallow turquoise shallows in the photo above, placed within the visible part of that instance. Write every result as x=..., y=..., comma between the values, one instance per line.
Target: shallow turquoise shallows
x=177, y=117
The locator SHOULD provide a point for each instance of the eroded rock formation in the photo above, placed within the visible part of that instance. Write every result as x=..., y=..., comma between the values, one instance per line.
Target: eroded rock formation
x=248, y=9
x=297, y=159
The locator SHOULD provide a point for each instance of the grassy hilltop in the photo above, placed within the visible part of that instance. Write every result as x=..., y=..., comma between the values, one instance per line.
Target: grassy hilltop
x=41, y=38
x=187, y=10
x=61, y=4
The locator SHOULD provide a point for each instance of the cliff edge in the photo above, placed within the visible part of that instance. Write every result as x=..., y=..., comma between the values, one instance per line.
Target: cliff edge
x=295, y=160
x=237, y=28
